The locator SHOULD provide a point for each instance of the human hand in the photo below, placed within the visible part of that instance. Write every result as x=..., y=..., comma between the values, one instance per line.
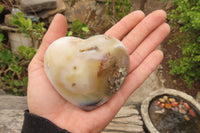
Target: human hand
x=140, y=35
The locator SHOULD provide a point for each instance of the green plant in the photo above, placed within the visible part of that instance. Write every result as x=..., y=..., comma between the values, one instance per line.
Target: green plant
x=78, y=29
x=1, y=37
x=1, y=9
x=33, y=30
x=118, y=8
x=186, y=16
x=163, y=0
x=13, y=69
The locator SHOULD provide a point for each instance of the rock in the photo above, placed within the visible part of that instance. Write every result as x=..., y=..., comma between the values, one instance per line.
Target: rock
x=81, y=10
x=60, y=8
x=12, y=109
x=100, y=0
x=198, y=97
x=13, y=102
x=33, y=18
x=152, y=5
x=12, y=113
x=171, y=93
x=152, y=83
x=169, y=5
x=37, y=5
x=11, y=120
x=91, y=13
x=138, y=4
x=2, y=92
x=126, y=120
x=100, y=22
x=7, y=18
x=14, y=11
x=16, y=39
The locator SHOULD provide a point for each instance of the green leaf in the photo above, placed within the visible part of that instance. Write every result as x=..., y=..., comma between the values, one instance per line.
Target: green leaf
x=15, y=68
x=21, y=48
x=29, y=23
x=6, y=56
x=76, y=26
x=78, y=29
x=69, y=33
x=14, y=90
x=25, y=81
x=26, y=52
x=18, y=83
x=1, y=37
x=1, y=9
x=85, y=29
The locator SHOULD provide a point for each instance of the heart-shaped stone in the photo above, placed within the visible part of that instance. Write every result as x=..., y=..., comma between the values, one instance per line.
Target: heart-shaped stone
x=87, y=72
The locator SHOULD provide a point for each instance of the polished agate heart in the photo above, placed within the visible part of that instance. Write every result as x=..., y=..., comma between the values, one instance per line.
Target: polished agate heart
x=87, y=72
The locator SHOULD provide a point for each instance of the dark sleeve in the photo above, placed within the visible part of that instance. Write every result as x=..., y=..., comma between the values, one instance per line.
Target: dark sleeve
x=36, y=124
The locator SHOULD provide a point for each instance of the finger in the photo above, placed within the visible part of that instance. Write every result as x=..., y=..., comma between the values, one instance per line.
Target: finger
x=133, y=81
x=139, y=75
x=127, y=23
x=57, y=29
x=148, y=45
x=143, y=29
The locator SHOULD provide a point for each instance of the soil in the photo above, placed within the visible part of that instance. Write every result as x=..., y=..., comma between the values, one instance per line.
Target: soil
x=171, y=52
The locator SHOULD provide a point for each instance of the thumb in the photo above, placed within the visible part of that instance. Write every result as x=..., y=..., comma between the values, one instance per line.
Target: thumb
x=57, y=29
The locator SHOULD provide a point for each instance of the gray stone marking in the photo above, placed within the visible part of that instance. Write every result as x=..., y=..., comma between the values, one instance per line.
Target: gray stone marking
x=37, y=5
x=12, y=113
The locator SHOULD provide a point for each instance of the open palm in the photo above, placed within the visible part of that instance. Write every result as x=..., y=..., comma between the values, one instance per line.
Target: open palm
x=140, y=35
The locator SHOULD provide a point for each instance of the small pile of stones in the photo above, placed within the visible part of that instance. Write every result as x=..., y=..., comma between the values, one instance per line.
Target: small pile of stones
x=180, y=106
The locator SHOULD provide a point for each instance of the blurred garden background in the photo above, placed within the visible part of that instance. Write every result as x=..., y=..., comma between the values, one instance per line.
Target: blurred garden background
x=23, y=23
